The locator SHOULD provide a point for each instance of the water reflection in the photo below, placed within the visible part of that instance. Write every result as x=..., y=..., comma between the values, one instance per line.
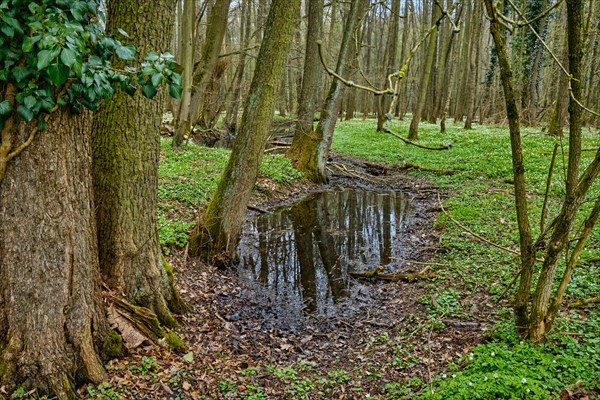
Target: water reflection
x=301, y=255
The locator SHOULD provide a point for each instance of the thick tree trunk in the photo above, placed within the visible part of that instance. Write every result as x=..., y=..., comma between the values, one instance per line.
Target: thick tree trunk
x=383, y=102
x=51, y=311
x=219, y=232
x=126, y=149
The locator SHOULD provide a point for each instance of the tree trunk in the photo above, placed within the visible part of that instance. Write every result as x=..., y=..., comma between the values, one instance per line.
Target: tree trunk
x=521, y=301
x=232, y=112
x=314, y=147
x=218, y=235
x=213, y=41
x=389, y=62
x=51, y=311
x=187, y=36
x=476, y=23
x=307, y=105
x=413, y=132
x=126, y=149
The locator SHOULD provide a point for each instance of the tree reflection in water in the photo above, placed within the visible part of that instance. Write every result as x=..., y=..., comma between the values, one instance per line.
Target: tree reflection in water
x=301, y=255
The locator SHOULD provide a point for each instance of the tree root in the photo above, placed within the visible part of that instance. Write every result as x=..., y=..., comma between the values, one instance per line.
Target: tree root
x=393, y=277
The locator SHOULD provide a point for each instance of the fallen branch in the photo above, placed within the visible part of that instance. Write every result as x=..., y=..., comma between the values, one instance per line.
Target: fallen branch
x=393, y=277
x=446, y=147
x=408, y=165
x=585, y=302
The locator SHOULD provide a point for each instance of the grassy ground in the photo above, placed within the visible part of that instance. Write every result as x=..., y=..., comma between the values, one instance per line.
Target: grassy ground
x=482, y=200
x=471, y=272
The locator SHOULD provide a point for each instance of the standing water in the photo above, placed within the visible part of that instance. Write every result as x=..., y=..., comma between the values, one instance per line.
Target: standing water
x=300, y=256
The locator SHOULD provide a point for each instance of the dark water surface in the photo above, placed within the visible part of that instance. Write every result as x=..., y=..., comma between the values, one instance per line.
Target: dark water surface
x=299, y=256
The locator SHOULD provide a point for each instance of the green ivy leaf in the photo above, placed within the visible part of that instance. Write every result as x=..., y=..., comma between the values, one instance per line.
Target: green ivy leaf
x=28, y=43
x=25, y=113
x=126, y=52
x=149, y=90
x=122, y=32
x=41, y=124
x=177, y=68
x=58, y=73
x=5, y=108
x=29, y=102
x=157, y=79
x=21, y=73
x=44, y=58
x=7, y=30
x=175, y=91
x=152, y=56
x=128, y=88
x=68, y=57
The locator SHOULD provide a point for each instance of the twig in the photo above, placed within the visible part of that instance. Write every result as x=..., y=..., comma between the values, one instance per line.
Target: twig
x=548, y=182
x=446, y=147
x=473, y=233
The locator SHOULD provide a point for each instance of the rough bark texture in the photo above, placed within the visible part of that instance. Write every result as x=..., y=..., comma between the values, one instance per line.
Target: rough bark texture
x=50, y=307
x=126, y=149
x=224, y=217
x=383, y=102
x=314, y=146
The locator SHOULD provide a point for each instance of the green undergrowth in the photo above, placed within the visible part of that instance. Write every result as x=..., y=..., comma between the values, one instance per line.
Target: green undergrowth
x=188, y=178
x=480, y=197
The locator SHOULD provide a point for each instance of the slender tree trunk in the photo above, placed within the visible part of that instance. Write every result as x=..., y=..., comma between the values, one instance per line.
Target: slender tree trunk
x=232, y=113
x=521, y=301
x=315, y=146
x=413, y=132
x=126, y=147
x=477, y=23
x=187, y=56
x=213, y=41
x=218, y=235
x=383, y=102
x=307, y=105
x=51, y=311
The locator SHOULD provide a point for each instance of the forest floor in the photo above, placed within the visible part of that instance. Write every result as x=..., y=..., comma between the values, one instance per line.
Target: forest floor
x=446, y=337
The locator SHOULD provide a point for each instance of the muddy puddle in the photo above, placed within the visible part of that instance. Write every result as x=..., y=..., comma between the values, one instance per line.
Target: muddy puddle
x=298, y=258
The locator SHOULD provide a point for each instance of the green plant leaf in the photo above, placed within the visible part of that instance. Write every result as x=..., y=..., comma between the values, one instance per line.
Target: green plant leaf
x=5, y=107
x=157, y=79
x=41, y=125
x=149, y=90
x=189, y=357
x=58, y=73
x=68, y=57
x=122, y=32
x=126, y=52
x=175, y=91
x=28, y=43
x=21, y=73
x=44, y=58
x=25, y=113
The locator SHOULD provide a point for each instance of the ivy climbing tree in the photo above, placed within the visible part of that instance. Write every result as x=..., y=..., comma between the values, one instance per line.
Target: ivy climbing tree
x=55, y=65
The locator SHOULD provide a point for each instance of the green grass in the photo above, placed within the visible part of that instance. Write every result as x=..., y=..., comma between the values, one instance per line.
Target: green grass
x=189, y=177
x=480, y=199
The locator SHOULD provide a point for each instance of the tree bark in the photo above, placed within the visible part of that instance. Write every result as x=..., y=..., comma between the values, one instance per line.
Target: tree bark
x=126, y=148
x=314, y=146
x=413, y=132
x=187, y=36
x=521, y=301
x=51, y=311
x=218, y=234
x=215, y=33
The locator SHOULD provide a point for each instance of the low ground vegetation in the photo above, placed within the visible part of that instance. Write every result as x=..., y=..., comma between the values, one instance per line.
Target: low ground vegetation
x=389, y=359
